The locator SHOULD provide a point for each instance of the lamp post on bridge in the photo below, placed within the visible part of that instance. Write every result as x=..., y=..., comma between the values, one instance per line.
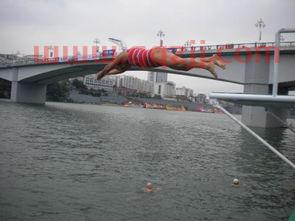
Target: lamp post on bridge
x=260, y=25
x=158, y=77
x=50, y=49
x=282, y=38
x=161, y=35
x=96, y=42
x=187, y=45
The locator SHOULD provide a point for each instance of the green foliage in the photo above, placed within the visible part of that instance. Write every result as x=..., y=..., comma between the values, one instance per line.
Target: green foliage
x=157, y=96
x=79, y=86
x=58, y=91
x=140, y=95
x=84, y=90
x=5, y=87
x=92, y=92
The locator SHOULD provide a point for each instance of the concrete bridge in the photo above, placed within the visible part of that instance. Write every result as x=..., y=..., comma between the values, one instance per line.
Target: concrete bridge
x=251, y=65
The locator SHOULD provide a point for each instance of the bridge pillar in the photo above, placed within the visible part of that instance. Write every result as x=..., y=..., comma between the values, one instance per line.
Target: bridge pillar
x=24, y=92
x=28, y=93
x=261, y=117
x=256, y=79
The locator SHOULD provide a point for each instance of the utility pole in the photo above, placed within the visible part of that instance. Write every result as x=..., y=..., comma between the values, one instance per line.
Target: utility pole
x=260, y=25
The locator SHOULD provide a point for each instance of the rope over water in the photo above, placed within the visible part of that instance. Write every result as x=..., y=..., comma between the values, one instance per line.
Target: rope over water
x=256, y=136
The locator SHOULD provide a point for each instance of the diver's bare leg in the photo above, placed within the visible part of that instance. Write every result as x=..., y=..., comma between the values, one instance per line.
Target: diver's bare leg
x=164, y=58
x=187, y=64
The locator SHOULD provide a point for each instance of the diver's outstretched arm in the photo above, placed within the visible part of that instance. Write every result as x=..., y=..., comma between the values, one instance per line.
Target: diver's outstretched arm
x=117, y=70
x=117, y=66
x=105, y=70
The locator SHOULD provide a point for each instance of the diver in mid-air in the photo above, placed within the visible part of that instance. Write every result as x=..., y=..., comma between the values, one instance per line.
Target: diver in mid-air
x=156, y=57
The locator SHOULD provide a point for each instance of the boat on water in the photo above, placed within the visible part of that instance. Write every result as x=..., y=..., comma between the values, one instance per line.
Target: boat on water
x=173, y=108
x=154, y=106
x=209, y=110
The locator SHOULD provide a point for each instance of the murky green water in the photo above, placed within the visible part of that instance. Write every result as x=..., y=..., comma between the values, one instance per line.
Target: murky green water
x=87, y=162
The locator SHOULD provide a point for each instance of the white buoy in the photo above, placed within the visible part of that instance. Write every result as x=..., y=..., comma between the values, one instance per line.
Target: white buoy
x=236, y=182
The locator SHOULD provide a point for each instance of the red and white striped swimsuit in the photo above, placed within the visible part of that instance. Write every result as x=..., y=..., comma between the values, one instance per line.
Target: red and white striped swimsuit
x=141, y=57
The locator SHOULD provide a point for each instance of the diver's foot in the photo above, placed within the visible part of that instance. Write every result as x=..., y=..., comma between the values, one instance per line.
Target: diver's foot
x=211, y=67
x=219, y=62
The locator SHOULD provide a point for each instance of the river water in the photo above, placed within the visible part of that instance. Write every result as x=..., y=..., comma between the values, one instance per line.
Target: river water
x=88, y=162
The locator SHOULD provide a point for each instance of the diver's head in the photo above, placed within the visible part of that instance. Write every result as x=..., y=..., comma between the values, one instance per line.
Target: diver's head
x=149, y=187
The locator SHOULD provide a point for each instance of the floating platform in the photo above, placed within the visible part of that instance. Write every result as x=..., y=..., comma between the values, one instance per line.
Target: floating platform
x=284, y=101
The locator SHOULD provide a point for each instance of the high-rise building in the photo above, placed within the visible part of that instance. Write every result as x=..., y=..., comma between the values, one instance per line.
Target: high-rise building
x=184, y=92
x=165, y=89
x=151, y=76
x=134, y=85
x=157, y=77
x=161, y=77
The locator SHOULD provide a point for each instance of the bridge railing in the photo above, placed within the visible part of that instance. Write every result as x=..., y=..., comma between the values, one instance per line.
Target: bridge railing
x=202, y=48
x=109, y=54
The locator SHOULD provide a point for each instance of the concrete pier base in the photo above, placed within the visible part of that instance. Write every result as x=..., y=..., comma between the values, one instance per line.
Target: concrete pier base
x=28, y=93
x=257, y=82
x=259, y=116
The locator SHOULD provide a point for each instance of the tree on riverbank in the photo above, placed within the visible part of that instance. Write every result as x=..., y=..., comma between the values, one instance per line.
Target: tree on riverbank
x=58, y=91
x=82, y=88
x=79, y=86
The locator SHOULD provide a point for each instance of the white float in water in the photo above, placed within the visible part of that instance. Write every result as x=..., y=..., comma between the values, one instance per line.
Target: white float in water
x=236, y=182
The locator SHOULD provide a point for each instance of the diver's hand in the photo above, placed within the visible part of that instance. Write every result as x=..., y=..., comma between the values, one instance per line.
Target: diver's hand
x=99, y=75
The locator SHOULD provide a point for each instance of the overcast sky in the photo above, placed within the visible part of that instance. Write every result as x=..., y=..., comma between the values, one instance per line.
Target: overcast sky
x=25, y=23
